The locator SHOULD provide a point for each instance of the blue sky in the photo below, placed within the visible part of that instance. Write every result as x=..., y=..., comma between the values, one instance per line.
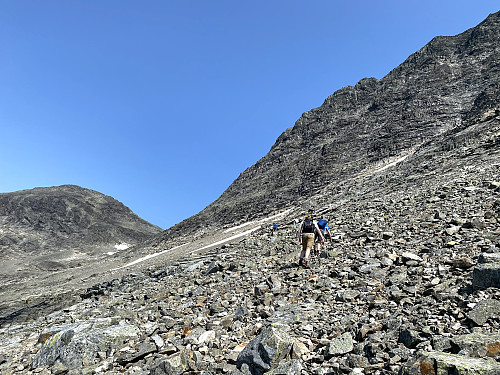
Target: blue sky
x=162, y=104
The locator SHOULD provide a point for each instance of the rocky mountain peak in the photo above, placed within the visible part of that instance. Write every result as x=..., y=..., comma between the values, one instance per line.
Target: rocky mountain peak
x=439, y=87
x=50, y=234
x=65, y=216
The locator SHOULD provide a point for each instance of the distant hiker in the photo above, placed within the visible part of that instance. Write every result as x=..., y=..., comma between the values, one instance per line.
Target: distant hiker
x=308, y=228
x=275, y=228
x=323, y=227
x=295, y=222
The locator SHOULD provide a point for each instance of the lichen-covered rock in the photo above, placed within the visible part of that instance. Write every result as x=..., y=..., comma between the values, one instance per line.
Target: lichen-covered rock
x=340, y=345
x=484, y=310
x=287, y=367
x=439, y=363
x=446, y=363
x=73, y=343
x=175, y=364
x=478, y=345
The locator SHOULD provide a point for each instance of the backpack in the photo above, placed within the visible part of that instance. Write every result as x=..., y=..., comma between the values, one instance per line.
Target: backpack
x=322, y=224
x=308, y=226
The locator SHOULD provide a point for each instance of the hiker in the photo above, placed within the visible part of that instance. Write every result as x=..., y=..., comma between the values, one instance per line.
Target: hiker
x=323, y=227
x=275, y=227
x=308, y=228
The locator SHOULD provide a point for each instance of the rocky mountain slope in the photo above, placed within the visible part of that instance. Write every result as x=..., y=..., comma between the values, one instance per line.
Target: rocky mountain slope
x=409, y=285
x=356, y=127
x=45, y=231
x=64, y=217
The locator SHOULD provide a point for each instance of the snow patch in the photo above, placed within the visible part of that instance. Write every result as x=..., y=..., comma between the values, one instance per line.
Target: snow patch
x=258, y=221
x=122, y=246
x=227, y=239
x=391, y=164
x=239, y=226
x=207, y=246
x=148, y=257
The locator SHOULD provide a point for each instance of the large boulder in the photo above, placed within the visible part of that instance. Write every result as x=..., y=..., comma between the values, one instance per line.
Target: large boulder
x=439, y=363
x=487, y=272
x=69, y=345
x=267, y=350
x=484, y=310
x=478, y=345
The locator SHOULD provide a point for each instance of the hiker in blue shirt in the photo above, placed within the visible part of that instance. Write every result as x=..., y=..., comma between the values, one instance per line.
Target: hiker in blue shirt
x=275, y=228
x=307, y=231
x=325, y=230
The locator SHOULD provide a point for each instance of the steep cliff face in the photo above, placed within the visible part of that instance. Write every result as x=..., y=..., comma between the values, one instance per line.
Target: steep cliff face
x=437, y=89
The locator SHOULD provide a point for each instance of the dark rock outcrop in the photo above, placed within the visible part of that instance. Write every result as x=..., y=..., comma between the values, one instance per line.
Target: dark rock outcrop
x=43, y=220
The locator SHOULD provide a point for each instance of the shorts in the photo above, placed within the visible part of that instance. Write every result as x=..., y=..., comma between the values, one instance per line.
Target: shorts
x=307, y=241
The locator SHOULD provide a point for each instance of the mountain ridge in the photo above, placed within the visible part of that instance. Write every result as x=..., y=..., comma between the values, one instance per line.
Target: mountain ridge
x=68, y=211
x=429, y=93
x=48, y=232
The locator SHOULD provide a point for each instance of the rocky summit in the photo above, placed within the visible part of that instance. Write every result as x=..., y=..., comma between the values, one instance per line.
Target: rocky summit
x=50, y=235
x=409, y=284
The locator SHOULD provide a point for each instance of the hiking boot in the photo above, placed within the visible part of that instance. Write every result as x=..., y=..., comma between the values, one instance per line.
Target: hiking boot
x=301, y=261
x=305, y=263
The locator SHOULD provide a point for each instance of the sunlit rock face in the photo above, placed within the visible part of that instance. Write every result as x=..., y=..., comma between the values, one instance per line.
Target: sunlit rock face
x=439, y=90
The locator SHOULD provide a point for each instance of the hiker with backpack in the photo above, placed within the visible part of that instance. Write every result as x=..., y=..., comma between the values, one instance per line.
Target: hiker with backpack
x=323, y=227
x=308, y=228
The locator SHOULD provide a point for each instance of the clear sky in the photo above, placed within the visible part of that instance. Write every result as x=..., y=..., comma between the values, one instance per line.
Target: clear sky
x=161, y=104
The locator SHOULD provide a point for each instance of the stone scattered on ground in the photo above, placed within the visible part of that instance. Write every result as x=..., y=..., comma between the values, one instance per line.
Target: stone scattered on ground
x=380, y=304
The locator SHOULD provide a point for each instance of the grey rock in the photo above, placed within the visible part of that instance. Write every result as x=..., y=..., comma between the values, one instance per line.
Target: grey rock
x=159, y=342
x=267, y=350
x=70, y=345
x=144, y=349
x=489, y=258
x=287, y=367
x=409, y=338
x=175, y=364
x=486, y=275
x=194, y=266
x=214, y=267
x=370, y=267
x=341, y=345
x=447, y=363
x=241, y=312
x=477, y=345
x=387, y=235
x=484, y=310
x=409, y=256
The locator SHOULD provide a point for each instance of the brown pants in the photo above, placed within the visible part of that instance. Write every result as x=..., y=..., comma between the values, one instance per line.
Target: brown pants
x=307, y=241
x=307, y=244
